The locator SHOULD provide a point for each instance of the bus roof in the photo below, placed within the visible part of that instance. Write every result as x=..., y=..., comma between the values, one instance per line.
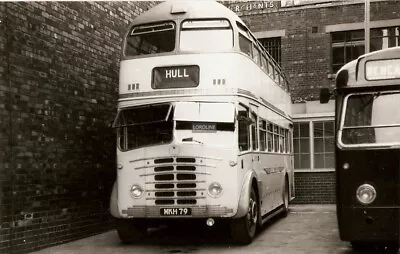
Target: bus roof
x=377, y=68
x=179, y=9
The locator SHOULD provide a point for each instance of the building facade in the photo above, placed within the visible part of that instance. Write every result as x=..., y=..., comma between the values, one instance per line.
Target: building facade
x=312, y=40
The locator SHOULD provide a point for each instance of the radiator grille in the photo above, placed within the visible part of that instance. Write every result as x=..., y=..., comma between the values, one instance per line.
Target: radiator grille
x=176, y=181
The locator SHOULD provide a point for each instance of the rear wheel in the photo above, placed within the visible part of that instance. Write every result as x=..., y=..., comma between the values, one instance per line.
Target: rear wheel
x=243, y=229
x=131, y=231
x=285, y=199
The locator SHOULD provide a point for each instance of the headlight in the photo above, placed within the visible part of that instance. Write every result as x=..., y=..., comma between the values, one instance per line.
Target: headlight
x=366, y=194
x=214, y=190
x=136, y=191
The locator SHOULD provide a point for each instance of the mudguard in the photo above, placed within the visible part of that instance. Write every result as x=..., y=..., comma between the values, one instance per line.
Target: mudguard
x=114, y=201
x=243, y=205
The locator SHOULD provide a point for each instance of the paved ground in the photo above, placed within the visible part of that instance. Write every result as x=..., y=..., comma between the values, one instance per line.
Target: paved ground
x=307, y=229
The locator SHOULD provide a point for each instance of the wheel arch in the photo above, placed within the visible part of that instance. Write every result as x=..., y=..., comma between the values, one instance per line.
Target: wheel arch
x=114, y=202
x=249, y=182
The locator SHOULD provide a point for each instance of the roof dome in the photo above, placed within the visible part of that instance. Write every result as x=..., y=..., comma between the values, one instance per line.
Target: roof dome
x=180, y=9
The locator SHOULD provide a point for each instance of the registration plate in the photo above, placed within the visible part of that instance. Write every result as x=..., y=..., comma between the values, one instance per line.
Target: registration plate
x=175, y=211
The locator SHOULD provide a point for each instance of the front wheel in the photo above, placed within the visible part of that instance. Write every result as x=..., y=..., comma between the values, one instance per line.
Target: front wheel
x=243, y=229
x=131, y=231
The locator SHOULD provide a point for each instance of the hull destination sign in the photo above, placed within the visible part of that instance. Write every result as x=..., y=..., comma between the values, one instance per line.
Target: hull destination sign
x=175, y=77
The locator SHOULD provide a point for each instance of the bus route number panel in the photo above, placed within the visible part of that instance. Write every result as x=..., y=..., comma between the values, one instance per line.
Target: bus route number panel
x=175, y=77
x=175, y=211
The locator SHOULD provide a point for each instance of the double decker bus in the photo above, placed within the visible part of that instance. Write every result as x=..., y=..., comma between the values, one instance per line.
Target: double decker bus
x=204, y=129
x=368, y=150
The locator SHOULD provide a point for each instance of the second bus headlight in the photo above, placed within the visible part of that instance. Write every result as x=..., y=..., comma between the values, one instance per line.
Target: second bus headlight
x=366, y=194
x=214, y=189
x=136, y=191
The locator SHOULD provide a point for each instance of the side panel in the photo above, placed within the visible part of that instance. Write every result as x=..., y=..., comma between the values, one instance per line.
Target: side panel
x=273, y=170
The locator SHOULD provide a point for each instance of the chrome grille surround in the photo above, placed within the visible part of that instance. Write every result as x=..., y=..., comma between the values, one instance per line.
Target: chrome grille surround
x=176, y=181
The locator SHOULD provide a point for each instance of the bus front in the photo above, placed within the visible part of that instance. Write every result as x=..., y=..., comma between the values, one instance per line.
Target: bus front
x=368, y=150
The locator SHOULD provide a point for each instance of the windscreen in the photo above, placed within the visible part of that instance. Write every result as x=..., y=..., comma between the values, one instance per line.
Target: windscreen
x=144, y=126
x=206, y=35
x=371, y=119
x=151, y=39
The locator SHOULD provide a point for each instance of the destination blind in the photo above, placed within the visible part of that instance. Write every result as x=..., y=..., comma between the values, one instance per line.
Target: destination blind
x=382, y=69
x=175, y=77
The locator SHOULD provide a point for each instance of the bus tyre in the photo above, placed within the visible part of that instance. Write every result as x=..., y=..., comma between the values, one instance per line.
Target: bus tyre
x=243, y=229
x=130, y=231
x=285, y=199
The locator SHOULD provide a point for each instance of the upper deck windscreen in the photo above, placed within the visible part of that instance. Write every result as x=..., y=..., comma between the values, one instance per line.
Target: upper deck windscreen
x=151, y=39
x=206, y=35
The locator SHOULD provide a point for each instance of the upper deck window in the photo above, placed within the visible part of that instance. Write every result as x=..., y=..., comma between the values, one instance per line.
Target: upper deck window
x=151, y=39
x=206, y=35
x=245, y=45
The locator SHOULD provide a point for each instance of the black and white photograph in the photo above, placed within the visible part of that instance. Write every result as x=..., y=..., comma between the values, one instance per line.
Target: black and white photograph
x=200, y=126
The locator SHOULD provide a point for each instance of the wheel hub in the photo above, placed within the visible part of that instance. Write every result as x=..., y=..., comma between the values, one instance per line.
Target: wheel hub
x=252, y=213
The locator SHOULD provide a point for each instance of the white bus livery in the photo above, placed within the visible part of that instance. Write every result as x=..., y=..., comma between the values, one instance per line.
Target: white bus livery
x=204, y=128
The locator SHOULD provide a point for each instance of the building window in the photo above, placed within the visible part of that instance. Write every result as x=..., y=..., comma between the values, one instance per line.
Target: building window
x=349, y=45
x=273, y=46
x=323, y=144
x=314, y=145
x=301, y=140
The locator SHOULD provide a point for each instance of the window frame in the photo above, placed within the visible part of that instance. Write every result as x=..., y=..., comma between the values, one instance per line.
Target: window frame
x=262, y=127
x=254, y=133
x=311, y=142
x=348, y=42
x=249, y=146
x=273, y=45
x=130, y=33
x=249, y=43
x=182, y=28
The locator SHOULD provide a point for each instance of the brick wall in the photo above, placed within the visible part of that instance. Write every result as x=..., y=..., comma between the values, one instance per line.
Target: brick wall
x=315, y=188
x=306, y=55
x=58, y=87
